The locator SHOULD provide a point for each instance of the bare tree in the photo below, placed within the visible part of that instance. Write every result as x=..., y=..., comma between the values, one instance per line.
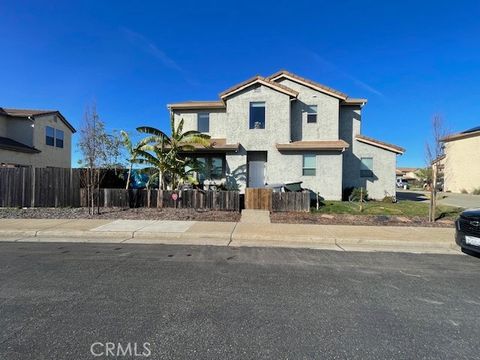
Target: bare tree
x=434, y=152
x=99, y=151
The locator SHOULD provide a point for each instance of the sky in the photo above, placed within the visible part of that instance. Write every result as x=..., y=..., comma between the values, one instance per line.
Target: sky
x=410, y=59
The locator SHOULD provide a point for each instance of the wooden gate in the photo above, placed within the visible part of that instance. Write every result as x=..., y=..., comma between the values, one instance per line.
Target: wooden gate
x=258, y=198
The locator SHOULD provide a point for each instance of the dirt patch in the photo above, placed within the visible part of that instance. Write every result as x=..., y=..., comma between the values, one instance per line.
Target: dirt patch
x=118, y=213
x=345, y=219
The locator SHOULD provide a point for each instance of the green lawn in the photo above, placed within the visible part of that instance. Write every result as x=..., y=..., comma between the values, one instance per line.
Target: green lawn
x=401, y=208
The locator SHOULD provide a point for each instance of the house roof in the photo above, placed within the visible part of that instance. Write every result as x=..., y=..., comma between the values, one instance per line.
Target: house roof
x=313, y=145
x=354, y=101
x=194, y=105
x=309, y=83
x=258, y=80
x=25, y=113
x=463, y=135
x=407, y=169
x=12, y=145
x=217, y=144
x=380, y=144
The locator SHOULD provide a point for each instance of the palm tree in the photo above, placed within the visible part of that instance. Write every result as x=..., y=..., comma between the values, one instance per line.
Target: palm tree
x=133, y=153
x=168, y=149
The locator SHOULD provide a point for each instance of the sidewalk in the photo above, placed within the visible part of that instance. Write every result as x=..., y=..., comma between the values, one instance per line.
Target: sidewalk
x=329, y=237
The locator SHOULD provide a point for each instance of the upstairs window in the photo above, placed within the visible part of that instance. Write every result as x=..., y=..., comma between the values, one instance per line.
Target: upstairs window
x=59, y=138
x=203, y=122
x=311, y=113
x=366, y=167
x=49, y=136
x=257, y=115
x=309, y=165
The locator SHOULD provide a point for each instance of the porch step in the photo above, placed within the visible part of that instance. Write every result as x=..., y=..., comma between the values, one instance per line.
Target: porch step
x=255, y=216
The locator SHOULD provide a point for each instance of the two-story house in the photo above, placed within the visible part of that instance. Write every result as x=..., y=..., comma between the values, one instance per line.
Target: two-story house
x=37, y=138
x=285, y=128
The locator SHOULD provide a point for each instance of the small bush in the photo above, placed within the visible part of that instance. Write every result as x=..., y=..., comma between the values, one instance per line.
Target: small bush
x=464, y=191
x=476, y=191
x=388, y=199
x=357, y=193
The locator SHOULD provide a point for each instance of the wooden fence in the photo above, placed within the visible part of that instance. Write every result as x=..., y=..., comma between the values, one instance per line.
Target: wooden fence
x=291, y=201
x=192, y=199
x=258, y=198
x=266, y=199
x=39, y=187
x=56, y=187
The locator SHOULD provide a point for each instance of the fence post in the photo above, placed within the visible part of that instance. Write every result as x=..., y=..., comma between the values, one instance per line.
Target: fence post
x=33, y=187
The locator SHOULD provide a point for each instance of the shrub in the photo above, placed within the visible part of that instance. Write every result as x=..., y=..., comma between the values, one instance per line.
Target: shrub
x=476, y=191
x=464, y=191
x=357, y=193
x=388, y=199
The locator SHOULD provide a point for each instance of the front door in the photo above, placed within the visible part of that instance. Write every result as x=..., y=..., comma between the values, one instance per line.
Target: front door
x=256, y=174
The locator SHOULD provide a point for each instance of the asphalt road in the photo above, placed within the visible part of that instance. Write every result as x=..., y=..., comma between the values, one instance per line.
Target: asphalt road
x=466, y=201
x=187, y=302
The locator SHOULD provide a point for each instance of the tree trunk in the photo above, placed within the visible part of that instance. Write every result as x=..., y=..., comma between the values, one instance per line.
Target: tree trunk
x=128, y=177
x=160, y=190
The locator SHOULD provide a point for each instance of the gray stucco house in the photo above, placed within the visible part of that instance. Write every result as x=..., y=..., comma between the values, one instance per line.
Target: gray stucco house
x=285, y=128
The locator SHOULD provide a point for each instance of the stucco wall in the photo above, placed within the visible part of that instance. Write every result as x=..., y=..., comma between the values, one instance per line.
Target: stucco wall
x=3, y=126
x=462, y=164
x=277, y=119
x=49, y=155
x=326, y=127
x=190, y=121
x=384, y=164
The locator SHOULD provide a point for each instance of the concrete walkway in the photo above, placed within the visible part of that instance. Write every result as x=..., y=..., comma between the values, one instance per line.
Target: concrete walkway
x=331, y=237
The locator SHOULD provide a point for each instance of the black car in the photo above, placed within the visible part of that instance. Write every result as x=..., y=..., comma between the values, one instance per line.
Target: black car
x=468, y=230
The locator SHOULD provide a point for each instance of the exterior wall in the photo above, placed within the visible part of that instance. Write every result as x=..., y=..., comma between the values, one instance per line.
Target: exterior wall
x=287, y=167
x=3, y=126
x=277, y=118
x=21, y=130
x=217, y=126
x=328, y=176
x=384, y=164
x=49, y=156
x=462, y=165
x=326, y=127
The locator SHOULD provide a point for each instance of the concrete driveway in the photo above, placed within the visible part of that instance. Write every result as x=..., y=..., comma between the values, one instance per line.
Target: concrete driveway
x=466, y=201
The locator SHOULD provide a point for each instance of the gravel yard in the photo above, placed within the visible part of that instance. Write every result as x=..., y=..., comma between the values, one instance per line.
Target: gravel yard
x=347, y=219
x=119, y=213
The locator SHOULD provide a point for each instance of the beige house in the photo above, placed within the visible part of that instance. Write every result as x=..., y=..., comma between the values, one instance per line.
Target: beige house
x=38, y=138
x=285, y=129
x=461, y=164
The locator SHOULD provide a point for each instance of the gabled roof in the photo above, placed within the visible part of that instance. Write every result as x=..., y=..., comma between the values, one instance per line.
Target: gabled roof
x=383, y=145
x=463, y=135
x=258, y=80
x=12, y=145
x=309, y=83
x=194, y=105
x=313, y=145
x=25, y=113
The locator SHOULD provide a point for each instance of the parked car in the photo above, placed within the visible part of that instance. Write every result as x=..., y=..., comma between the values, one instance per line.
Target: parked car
x=402, y=184
x=467, y=234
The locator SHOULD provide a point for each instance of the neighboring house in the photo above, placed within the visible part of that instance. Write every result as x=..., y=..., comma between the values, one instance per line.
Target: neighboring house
x=408, y=174
x=461, y=163
x=38, y=138
x=284, y=128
